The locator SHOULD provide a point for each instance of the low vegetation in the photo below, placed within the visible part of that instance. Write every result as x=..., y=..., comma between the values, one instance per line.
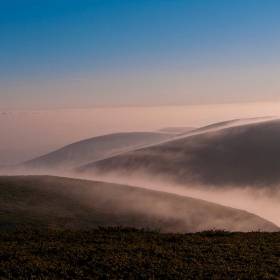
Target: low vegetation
x=128, y=253
x=50, y=229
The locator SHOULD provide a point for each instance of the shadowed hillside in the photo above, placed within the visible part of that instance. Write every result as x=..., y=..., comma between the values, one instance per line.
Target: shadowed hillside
x=245, y=155
x=87, y=151
x=176, y=129
x=230, y=123
x=44, y=201
x=90, y=150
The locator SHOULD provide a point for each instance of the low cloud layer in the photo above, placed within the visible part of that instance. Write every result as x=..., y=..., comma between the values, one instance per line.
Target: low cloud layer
x=27, y=130
x=237, y=156
x=237, y=167
x=85, y=204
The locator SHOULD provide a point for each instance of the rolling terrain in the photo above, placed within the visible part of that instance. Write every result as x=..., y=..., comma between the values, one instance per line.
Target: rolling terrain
x=97, y=148
x=86, y=151
x=45, y=201
x=176, y=129
x=239, y=156
x=205, y=163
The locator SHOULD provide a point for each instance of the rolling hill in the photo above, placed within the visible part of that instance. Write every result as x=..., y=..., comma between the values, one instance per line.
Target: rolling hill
x=244, y=155
x=176, y=129
x=45, y=201
x=88, y=150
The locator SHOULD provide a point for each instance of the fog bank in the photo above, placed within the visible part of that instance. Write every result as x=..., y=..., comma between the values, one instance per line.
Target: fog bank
x=25, y=135
x=261, y=202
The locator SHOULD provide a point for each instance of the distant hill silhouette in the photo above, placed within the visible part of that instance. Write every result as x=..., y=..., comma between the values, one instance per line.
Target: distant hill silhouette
x=90, y=150
x=244, y=155
x=176, y=129
x=101, y=147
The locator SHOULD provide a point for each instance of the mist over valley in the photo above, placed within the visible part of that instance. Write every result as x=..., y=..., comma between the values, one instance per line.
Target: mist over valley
x=93, y=149
x=234, y=165
x=244, y=155
x=55, y=202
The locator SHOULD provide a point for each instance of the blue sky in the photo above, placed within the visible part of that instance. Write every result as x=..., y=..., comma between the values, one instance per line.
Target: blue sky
x=78, y=54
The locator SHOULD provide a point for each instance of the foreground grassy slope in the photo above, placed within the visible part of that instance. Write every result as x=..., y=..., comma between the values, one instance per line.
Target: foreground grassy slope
x=45, y=201
x=245, y=155
x=114, y=253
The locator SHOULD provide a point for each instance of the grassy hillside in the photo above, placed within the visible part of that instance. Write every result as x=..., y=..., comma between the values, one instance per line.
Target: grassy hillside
x=246, y=155
x=114, y=253
x=45, y=201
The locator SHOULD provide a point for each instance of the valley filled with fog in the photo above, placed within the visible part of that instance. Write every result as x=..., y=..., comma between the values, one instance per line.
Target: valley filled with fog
x=223, y=175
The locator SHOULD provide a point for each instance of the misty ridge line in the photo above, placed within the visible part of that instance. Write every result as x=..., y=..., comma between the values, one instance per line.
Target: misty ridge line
x=198, y=191
x=196, y=131
x=123, y=151
x=258, y=202
x=100, y=139
x=203, y=130
x=224, y=125
x=115, y=204
x=262, y=200
x=206, y=153
x=171, y=137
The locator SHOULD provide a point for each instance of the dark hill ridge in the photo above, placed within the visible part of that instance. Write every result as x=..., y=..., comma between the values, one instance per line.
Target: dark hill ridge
x=101, y=147
x=45, y=201
x=245, y=155
x=176, y=129
x=97, y=148
x=93, y=149
x=230, y=123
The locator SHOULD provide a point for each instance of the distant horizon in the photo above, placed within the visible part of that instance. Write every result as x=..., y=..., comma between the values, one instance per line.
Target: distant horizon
x=72, y=109
x=32, y=133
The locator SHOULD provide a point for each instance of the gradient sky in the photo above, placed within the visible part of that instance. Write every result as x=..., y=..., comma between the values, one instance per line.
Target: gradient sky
x=80, y=54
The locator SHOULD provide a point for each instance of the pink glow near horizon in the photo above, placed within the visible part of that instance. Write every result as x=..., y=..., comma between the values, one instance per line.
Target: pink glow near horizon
x=29, y=134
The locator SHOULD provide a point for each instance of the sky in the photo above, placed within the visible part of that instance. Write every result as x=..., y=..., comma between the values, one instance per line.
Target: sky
x=57, y=55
